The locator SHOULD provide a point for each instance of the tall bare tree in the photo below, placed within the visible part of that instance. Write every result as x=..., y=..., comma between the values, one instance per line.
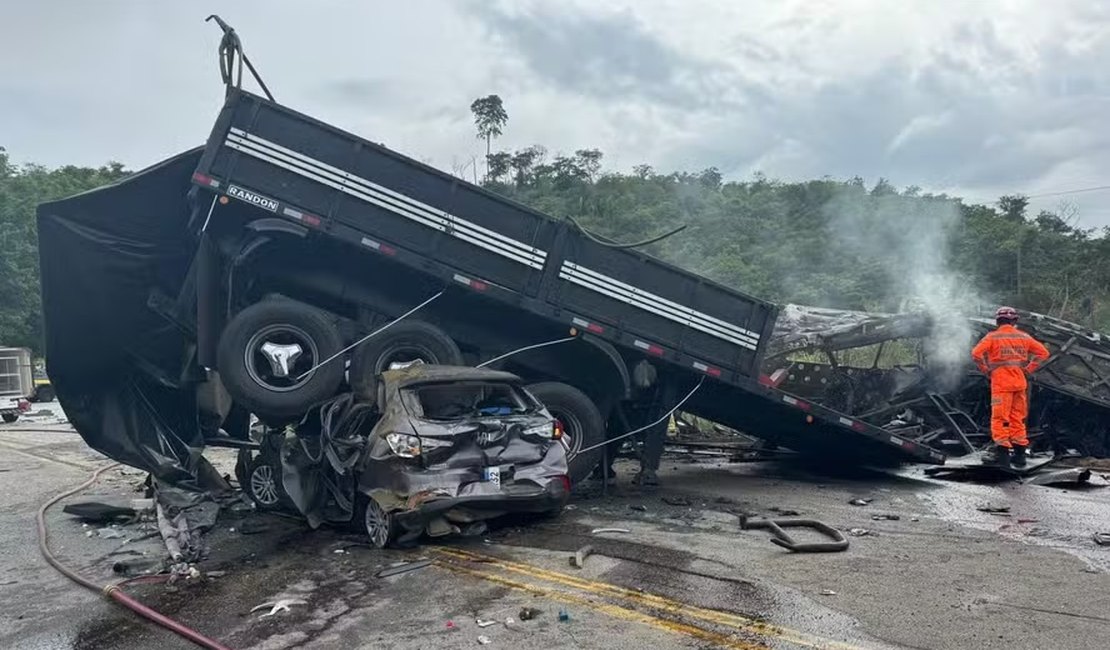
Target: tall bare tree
x=489, y=117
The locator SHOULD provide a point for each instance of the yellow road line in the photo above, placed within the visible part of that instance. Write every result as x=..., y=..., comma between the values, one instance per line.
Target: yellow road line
x=716, y=638
x=652, y=600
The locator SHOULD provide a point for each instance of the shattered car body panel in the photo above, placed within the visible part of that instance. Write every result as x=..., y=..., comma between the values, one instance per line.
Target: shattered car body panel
x=442, y=444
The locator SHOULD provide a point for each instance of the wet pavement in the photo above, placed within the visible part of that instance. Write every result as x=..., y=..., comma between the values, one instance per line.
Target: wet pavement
x=942, y=575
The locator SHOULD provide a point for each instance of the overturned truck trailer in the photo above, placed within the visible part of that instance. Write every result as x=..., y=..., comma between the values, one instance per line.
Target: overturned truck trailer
x=876, y=367
x=244, y=276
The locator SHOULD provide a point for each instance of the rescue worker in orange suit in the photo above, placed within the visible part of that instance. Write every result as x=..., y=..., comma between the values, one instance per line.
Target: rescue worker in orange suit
x=1007, y=355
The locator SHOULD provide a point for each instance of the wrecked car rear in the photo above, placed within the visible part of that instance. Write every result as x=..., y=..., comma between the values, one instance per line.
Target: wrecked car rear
x=440, y=450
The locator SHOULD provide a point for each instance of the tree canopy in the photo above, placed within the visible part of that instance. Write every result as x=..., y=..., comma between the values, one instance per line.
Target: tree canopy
x=21, y=190
x=826, y=242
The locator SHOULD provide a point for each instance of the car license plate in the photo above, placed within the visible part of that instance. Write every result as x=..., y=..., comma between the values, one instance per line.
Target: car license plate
x=492, y=475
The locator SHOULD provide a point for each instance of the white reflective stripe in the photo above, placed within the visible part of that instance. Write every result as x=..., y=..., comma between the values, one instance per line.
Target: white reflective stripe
x=641, y=345
x=411, y=209
x=604, y=289
x=708, y=323
x=290, y=212
x=846, y=422
x=710, y=320
x=897, y=441
x=347, y=177
x=789, y=400
x=437, y=225
x=700, y=366
x=463, y=279
x=579, y=322
x=366, y=241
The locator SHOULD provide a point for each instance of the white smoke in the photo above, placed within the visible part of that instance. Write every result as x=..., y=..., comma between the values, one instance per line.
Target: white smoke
x=909, y=238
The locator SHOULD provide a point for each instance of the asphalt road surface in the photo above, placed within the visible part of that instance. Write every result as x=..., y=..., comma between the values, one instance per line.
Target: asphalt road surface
x=943, y=575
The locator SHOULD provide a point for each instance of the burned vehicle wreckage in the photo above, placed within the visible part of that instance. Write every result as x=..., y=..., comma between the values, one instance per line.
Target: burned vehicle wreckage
x=877, y=367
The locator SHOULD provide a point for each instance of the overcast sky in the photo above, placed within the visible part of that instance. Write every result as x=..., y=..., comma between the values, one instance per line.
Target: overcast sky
x=977, y=98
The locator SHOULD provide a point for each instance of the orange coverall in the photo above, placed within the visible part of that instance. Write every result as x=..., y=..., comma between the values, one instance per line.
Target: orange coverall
x=1005, y=354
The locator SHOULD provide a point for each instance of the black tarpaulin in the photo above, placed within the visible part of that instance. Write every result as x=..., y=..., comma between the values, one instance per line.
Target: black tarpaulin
x=116, y=364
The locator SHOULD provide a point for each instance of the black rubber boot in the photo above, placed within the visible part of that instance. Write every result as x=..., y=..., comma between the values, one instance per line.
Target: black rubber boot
x=1017, y=458
x=996, y=455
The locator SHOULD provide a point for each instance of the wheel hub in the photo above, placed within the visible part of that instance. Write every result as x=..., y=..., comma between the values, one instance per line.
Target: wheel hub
x=281, y=357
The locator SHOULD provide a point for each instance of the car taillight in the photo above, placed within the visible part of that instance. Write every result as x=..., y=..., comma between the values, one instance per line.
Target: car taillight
x=556, y=430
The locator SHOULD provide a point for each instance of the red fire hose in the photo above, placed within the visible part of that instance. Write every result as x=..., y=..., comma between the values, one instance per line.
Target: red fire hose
x=115, y=591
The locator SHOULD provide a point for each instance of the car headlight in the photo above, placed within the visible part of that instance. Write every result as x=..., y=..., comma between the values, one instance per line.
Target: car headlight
x=403, y=444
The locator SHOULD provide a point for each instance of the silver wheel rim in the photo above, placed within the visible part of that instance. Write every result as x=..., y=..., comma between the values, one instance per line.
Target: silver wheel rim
x=300, y=372
x=263, y=485
x=377, y=524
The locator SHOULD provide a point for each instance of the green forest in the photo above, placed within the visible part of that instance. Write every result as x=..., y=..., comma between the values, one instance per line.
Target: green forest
x=825, y=242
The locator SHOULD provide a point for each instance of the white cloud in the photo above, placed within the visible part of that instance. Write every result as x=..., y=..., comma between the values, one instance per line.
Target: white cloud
x=976, y=98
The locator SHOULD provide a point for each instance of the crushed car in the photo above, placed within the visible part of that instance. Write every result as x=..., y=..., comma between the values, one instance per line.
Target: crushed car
x=437, y=450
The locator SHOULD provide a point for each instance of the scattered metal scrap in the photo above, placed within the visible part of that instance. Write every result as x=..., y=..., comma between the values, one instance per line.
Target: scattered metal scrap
x=404, y=567
x=839, y=543
x=277, y=606
x=1070, y=476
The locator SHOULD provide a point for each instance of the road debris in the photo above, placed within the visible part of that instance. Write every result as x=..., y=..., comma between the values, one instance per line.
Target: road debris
x=403, y=567
x=528, y=613
x=109, y=533
x=1063, y=477
x=1102, y=539
x=484, y=623
x=861, y=532
x=451, y=627
x=886, y=517
x=484, y=640
x=600, y=531
x=676, y=501
x=564, y=616
x=781, y=538
x=101, y=513
x=828, y=592
x=993, y=509
x=860, y=502
x=785, y=512
x=277, y=606
x=579, y=558
x=637, y=507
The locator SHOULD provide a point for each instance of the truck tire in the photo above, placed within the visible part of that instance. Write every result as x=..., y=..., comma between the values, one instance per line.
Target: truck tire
x=583, y=426
x=9, y=418
x=408, y=340
x=266, y=350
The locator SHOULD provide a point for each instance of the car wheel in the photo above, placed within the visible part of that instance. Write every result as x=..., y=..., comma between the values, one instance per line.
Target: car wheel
x=10, y=417
x=583, y=426
x=405, y=342
x=264, y=484
x=378, y=524
x=269, y=353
